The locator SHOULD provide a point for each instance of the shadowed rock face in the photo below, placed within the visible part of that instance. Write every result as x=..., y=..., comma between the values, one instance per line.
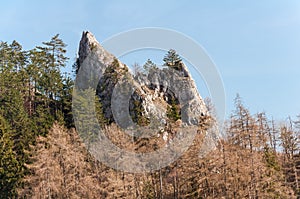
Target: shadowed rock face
x=153, y=92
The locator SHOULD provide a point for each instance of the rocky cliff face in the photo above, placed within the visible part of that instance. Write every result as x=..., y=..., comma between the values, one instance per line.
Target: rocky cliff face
x=154, y=91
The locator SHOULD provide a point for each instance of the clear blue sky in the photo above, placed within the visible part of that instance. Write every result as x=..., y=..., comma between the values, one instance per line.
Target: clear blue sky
x=255, y=44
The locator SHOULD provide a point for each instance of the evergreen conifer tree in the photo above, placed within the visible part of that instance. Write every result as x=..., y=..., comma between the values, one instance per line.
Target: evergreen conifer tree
x=172, y=60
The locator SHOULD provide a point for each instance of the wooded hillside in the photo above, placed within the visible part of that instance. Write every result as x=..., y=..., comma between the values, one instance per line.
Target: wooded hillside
x=42, y=156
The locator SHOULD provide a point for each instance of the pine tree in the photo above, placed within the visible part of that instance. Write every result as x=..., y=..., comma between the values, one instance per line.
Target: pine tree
x=149, y=65
x=66, y=101
x=37, y=63
x=53, y=53
x=99, y=112
x=173, y=112
x=172, y=60
x=11, y=61
x=23, y=134
x=9, y=177
x=55, y=49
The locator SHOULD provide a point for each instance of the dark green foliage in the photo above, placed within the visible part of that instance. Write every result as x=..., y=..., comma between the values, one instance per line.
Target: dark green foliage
x=55, y=50
x=66, y=101
x=43, y=120
x=110, y=78
x=149, y=190
x=270, y=158
x=51, y=83
x=33, y=94
x=172, y=60
x=137, y=114
x=99, y=112
x=23, y=135
x=8, y=162
x=173, y=111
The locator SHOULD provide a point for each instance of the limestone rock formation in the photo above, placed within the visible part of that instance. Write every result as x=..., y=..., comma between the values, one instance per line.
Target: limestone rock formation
x=154, y=91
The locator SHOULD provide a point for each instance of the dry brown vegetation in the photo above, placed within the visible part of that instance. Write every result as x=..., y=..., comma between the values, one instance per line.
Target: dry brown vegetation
x=244, y=165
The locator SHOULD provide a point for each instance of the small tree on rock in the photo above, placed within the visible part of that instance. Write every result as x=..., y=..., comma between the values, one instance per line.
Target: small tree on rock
x=149, y=65
x=172, y=60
